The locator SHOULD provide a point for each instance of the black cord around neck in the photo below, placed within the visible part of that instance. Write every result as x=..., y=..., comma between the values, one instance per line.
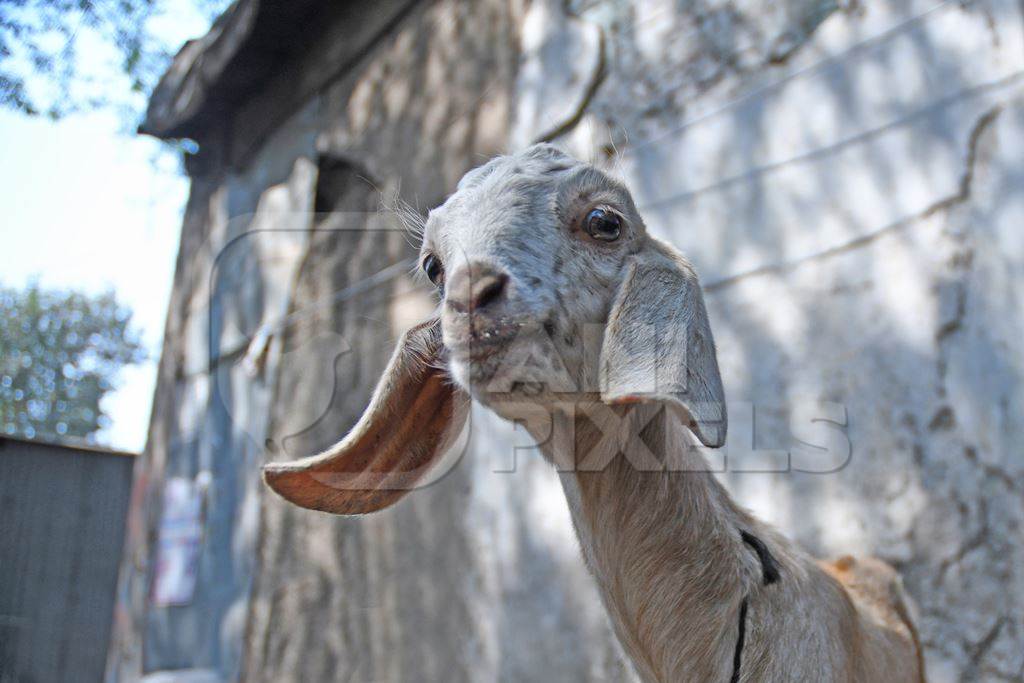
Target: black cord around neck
x=737, y=656
x=770, y=574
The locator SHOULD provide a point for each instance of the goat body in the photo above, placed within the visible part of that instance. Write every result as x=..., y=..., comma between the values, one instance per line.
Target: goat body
x=559, y=311
x=668, y=554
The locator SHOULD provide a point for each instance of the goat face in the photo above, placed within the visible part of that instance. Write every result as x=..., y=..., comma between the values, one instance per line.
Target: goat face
x=528, y=255
x=551, y=292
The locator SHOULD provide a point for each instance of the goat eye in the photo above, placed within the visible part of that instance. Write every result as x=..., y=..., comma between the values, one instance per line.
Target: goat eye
x=603, y=225
x=434, y=270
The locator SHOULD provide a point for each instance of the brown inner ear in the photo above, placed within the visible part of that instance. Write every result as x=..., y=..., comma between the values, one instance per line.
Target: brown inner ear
x=414, y=416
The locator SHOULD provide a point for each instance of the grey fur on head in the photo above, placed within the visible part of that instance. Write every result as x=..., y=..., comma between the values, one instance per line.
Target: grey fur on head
x=624, y=317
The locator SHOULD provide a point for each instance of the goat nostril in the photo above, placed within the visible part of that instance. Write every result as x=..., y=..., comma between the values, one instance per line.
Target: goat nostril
x=488, y=290
x=475, y=286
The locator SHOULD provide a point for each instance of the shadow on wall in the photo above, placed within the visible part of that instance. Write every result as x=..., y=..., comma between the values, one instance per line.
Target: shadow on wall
x=851, y=203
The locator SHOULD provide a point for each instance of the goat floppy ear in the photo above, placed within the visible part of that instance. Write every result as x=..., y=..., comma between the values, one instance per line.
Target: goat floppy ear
x=415, y=415
x=658, y=344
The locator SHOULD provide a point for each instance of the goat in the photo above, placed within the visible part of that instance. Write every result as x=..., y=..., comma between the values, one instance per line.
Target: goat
x=559, y=311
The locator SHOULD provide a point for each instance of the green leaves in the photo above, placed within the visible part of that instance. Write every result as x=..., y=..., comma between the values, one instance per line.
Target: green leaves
x=62, y=56
x=60, y=353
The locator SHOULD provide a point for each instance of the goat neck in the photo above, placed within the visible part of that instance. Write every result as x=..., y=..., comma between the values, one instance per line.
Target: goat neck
x=665, y=546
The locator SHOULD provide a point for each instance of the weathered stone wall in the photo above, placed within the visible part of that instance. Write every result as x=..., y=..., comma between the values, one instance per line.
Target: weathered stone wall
x=847, y=179
x=845, y=176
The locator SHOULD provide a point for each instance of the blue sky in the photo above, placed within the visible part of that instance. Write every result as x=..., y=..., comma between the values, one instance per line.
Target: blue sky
x=90, y=206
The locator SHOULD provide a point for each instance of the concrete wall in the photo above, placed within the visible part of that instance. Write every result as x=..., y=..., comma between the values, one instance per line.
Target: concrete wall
x=847, y=179
x=845, y=176
x=62, y=513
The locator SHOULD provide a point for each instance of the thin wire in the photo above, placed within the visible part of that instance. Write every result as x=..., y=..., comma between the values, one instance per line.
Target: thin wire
x=860, y=47
x=360, y=287
x=844, y=143
x=254, y=345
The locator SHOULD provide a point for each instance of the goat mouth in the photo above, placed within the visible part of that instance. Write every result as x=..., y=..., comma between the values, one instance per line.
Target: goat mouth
x=481, y=345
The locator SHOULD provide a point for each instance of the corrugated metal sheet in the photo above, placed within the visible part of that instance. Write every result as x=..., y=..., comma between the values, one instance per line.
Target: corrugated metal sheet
x=62, y=513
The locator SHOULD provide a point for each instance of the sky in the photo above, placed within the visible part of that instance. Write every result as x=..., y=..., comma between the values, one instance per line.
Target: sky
x=89, y=205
